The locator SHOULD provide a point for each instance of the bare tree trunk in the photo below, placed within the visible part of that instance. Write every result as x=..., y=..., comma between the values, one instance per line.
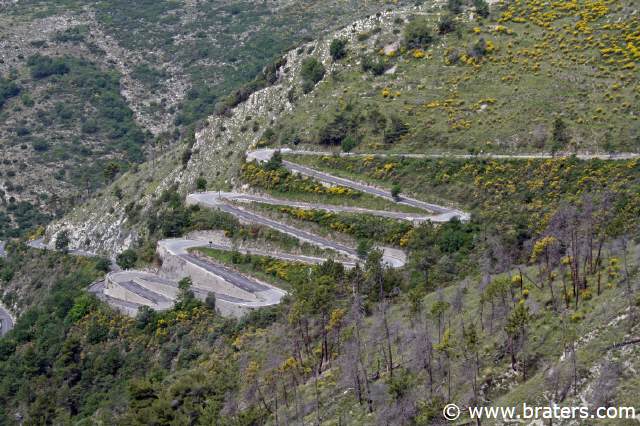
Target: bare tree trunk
x=317, y=394
x=388, y=339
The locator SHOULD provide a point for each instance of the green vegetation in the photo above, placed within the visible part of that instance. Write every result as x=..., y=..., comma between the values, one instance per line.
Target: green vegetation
x=77, y=124
x=69, y=346
x=281, y=183
x=417, y=34
x=535, y=299
x=526, y=191
x=279, y=272
x=466, y=92
x=170, y=218
x=8, y=89
x=170, y=28
x=312, y=72
x=127, y=259
x=44, y=66
x=338, y=49
x=20, y=217
x=62, y=241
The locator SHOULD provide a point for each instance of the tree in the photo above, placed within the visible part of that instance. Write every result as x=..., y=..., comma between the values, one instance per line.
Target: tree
x=446, y=347
x=186, y=299
x=337, y=49
x=275, y=162
x=103, y=264
x=348, y=144
x=62, y=241
x=110, y=171
x=127, y=259
x=144, y=317
x=363, y=248
x=417, y=33
x=201, y=184
x=561, y=137
x=516, y=329
x=472, y=348
x=395, y=191
x=312, y=71
x=546, y=252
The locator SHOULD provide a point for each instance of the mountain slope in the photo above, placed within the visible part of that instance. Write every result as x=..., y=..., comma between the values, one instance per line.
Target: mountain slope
x=132, y=78
x=534, y=298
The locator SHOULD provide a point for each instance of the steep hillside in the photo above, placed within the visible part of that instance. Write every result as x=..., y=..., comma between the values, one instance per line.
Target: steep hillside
x=523, y=286
x=87, y=89
x=424, y=102
x=534, y=76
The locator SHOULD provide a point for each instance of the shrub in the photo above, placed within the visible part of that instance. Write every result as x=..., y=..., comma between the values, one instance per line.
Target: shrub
x=417, y=33
x=62, y=241
x=338, y=49
x=479, y=49
x=395, y=130
x=335, y=131
x=210, y=301
x=127, y=259
x=201, y=184
x=40, y=145
x=110, y=171
x=44, y=66
x=482, y=8
x=446, y=25
x=186, y=156
x=348, y=144
x=8, y=89
x=71, y=35
x=312, y=72
x=90, y=126
x=395, y=190
x=375, y=66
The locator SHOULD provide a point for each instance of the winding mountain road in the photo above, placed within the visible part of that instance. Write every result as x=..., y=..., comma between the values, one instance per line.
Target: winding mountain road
x=266, y=153
x=6, y=321
x=235, y=292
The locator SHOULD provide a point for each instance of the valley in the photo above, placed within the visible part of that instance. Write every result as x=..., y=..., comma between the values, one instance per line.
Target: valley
x=319, y=212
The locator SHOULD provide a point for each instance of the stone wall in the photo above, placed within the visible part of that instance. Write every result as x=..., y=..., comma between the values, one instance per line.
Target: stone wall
x=175, y=268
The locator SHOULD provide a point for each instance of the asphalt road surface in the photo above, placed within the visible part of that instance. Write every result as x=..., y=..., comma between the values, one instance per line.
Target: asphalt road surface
x=6, y=321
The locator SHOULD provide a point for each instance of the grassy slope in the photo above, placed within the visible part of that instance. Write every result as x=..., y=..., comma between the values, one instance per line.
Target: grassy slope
x=264, y=268
x=546, y=63
x=528, y=189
